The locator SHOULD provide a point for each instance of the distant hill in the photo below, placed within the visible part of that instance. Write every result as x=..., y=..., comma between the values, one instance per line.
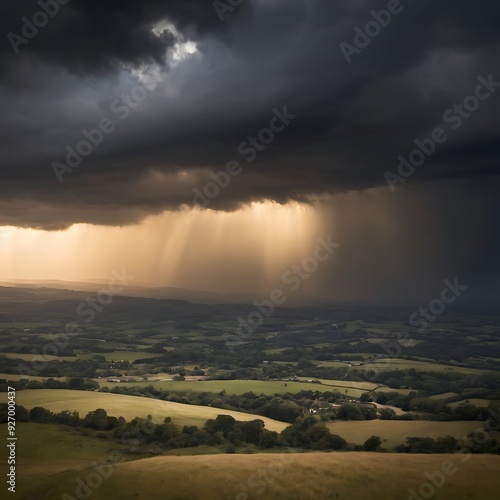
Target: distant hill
x=146, y=290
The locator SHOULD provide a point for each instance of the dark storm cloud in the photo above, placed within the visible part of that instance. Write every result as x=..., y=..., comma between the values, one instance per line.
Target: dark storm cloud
x=353, y=120
x=97, y=36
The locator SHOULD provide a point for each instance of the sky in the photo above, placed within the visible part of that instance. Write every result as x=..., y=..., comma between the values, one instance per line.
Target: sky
x=208, y=145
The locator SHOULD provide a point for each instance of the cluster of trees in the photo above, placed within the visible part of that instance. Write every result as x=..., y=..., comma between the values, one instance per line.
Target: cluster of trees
x=435, y=409
x=227, y=433
x=74, y=383
x=305, y=433
x=54, y=368
x=448, y=444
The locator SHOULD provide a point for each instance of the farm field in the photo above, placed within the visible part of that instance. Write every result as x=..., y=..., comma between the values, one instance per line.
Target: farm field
x=445, y=395
x=129, y=407
x=230, y=386
x=482, y=403
x=45, y=453
x=350, y=388
x=389, y=364
x=394, y=432
x=13, y=376
x=267, y=476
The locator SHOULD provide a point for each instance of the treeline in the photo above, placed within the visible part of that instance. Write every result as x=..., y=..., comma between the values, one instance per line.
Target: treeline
x=228, y=434
x=287, y=407
x=43, y=367
x=449, y=444
x=436, y=345
x=224, y=430
x=74, y=383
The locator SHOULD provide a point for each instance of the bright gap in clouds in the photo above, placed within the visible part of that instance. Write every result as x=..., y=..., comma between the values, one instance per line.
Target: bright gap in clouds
x=182, y=51
x=183, y=48
x=242, y=251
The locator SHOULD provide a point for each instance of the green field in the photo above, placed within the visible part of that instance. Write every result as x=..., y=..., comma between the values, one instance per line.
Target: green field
x=445, y=395
x=311, y=476
x=483, y=403
x=51, y=458
x=394, y=432
x=230, y=386
x=45, y=454
x=348, y=387
x=389, y=364
x=129, y=407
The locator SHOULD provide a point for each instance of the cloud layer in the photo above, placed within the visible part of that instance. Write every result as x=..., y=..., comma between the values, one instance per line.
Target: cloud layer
x=352, y=121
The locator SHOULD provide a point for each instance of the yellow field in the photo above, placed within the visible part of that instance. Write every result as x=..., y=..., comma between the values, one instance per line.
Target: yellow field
x=129, y=407
x=318, y=476
x=394, y=432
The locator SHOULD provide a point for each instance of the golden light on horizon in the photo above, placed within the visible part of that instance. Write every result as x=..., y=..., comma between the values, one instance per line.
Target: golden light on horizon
x=245, y=249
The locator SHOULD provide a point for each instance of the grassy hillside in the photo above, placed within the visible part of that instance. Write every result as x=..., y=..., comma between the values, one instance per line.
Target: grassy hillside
x=48, y=453
x=129, y=407
x=342, y=476
x=393, y=432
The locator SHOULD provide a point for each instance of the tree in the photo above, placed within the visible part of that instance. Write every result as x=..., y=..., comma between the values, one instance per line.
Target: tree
x=382, y=399
x=350, y=412
x=40, y=415
x=251, y=431
x=224, y=424
x=372, y=443
x=365, y=397
x=387, y=414
x=97, y=420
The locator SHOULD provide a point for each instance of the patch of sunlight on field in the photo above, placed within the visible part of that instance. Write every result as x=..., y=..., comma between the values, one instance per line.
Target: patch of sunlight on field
x=129, y=407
